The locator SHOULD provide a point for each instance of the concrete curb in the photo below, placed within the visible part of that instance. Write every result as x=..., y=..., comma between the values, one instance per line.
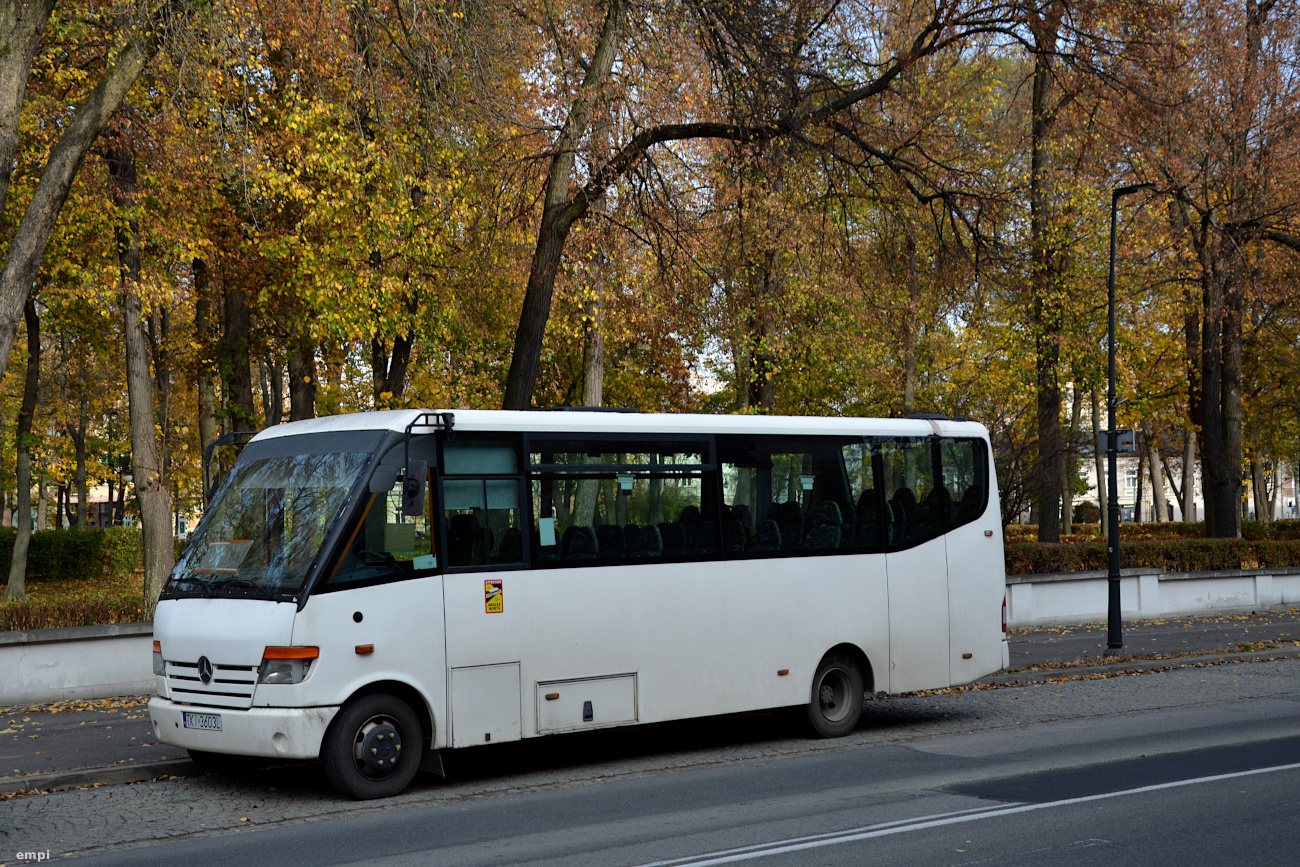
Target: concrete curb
x=1140, y=665
x=109, y=776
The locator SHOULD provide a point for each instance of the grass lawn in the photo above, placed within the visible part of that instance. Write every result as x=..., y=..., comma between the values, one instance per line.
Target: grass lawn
x=83, y=602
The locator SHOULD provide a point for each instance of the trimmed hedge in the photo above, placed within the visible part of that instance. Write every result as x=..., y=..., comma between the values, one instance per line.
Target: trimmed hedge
x=1288, y=530
x=1169, y=555
x=69, y=612
x=69, y=555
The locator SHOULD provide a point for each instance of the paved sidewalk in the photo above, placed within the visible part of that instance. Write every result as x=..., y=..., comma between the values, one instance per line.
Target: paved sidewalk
x=110, y=740
x=1211, y=633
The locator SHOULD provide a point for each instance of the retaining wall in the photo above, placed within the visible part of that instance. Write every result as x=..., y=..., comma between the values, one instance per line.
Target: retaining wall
x=1081, y=597
x=77, y=662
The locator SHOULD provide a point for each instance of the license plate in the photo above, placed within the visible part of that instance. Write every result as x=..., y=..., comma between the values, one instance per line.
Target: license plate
x=207, y=721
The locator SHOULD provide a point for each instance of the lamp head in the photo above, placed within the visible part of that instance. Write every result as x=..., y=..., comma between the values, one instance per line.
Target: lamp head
x=1131, y=188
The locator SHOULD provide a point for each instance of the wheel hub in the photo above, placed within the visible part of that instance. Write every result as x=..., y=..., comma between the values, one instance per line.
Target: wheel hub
x=833, y=695
x=379, y=747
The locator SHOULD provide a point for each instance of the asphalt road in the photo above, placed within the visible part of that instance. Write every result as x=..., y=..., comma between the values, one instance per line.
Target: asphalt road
x=989, y=776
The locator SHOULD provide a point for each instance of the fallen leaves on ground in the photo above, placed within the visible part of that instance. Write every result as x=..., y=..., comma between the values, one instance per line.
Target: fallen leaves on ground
x=81, y=704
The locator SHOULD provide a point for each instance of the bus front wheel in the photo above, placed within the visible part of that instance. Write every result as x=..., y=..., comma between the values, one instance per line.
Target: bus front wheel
x=373, y=747
x=837, y=693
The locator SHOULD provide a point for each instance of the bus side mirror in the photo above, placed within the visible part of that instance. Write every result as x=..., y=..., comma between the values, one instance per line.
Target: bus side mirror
x=413, y=489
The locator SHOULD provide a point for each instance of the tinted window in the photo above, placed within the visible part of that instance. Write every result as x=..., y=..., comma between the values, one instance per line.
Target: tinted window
x=613, y=501
x=966, y=477
x=916, y=508
x=481, y=502
x=785, y=495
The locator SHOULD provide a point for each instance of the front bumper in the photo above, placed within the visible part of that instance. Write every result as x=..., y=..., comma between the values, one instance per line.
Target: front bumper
x=268, y=732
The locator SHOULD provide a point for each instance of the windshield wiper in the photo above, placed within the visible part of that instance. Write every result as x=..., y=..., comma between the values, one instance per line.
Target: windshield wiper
x=244, y=582
x=190, y=579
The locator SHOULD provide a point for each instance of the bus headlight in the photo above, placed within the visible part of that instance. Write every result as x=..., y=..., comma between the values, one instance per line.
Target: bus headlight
x=286, y=664
x=158, y=667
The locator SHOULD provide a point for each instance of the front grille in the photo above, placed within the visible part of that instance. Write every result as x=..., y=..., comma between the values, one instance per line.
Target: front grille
x=231, y=685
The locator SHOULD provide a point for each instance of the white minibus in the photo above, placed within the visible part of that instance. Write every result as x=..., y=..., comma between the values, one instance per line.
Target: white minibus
x=371, y=589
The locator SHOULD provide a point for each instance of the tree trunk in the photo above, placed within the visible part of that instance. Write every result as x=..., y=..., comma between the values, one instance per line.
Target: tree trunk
x=910, y=323
x=203, y=330
x=1155, y=464
x=1045, y=307
x=1259, y=487
x=238, y=413
x=1189, y=479
x=82, y=516
x=1220, y=473
x=760, y=334
x=1100, y=457
x=1137, y=497
x=16, y=588
x=302, y=382
x=43, y=503
x=275, y=377
x=152, y=497
x=388, y=373
x=1071, y=462
x=270, y=379
x=1272, y=489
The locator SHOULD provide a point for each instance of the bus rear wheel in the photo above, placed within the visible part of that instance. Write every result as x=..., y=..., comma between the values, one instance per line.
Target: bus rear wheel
x=837, y=693
x=373, y=747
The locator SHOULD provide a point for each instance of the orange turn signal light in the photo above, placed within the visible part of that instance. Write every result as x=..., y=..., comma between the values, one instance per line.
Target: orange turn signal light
x=291, y=653
x=157, y=646
x=363, y=649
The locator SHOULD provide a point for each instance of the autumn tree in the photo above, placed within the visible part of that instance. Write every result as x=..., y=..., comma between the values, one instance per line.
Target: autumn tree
x=1216, y=131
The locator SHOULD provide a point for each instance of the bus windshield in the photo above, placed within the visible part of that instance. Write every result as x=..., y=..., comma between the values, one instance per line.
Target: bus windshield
x=272, y=514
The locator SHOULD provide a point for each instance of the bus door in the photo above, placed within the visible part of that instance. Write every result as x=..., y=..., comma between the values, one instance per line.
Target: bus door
x=480, y=492
x=917, y=562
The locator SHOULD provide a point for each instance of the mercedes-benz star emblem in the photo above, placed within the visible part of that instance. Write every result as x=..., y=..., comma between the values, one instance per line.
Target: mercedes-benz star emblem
x=205, y=670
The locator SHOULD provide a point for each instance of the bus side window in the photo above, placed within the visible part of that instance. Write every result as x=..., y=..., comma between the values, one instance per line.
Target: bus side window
x=785, y=495
x=481, y=498
x=387, y=544
x=916, y=508
x=965, y=477
x=600, y=502
x=868, y=524
x=482, y=522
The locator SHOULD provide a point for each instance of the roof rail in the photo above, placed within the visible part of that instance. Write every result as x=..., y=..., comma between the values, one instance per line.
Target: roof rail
x=585, y=409
x=928, y=416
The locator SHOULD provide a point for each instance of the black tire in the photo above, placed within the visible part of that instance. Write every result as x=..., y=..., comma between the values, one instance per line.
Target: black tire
x=373, y=747
x=223, y=764
x=836, y=700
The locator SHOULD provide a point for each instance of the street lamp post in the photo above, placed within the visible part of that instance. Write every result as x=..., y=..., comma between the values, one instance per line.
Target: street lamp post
x=1114, y=625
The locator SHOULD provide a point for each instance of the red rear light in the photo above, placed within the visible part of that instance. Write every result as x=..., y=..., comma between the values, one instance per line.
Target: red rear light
x=1004, y=614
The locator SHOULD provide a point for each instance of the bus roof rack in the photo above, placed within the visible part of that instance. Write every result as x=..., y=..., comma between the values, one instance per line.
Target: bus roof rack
x=928, y=416
x=585, y=409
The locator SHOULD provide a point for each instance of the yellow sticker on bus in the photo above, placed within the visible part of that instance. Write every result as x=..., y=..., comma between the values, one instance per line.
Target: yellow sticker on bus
x=494, y=601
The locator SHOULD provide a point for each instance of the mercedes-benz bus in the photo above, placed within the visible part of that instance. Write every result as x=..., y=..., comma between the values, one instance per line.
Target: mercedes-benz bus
x=372, y=589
